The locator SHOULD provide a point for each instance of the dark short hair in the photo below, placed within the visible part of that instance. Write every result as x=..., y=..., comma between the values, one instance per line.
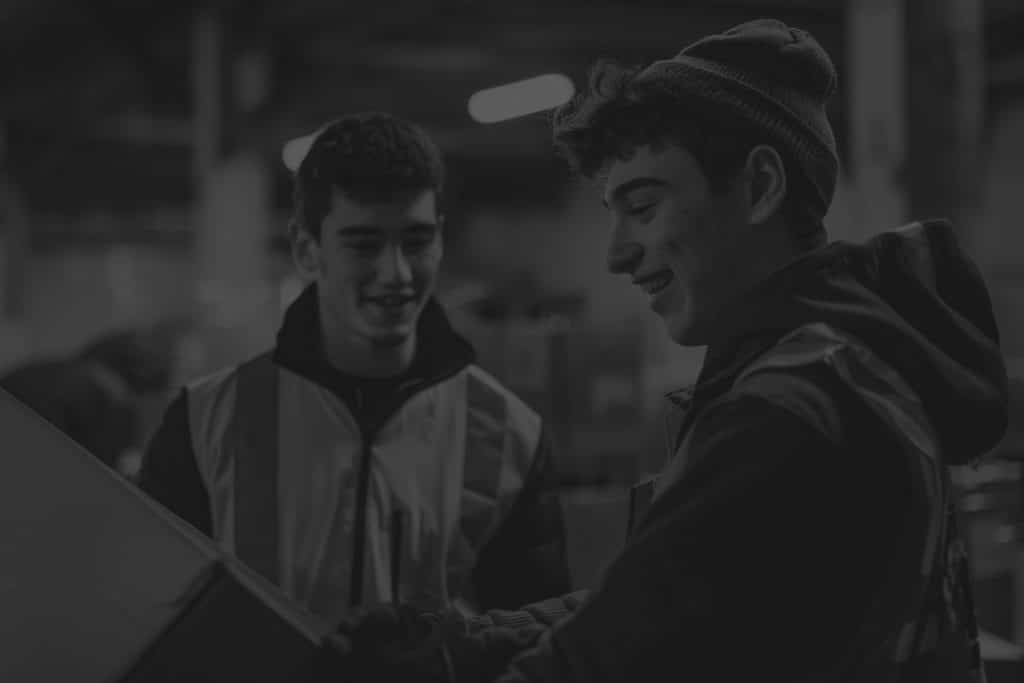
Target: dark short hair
x=616, y=114
x=369, y=157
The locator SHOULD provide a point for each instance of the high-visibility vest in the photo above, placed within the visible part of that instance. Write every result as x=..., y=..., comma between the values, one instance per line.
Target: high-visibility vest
x=924, y=611
x=282, y=457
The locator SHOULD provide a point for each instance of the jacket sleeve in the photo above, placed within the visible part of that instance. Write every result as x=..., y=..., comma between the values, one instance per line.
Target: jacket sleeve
x=754, y=565
x=526, y=560
x=169, y=472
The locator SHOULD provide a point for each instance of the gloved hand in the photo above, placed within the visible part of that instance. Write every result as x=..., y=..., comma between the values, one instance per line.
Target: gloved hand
x=394, y=643
x=328, y=664
x=401, y=643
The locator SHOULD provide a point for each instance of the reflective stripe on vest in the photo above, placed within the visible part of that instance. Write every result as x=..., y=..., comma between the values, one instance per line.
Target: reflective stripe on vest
x=253, y=430
x=481, y=475
x=480, y=441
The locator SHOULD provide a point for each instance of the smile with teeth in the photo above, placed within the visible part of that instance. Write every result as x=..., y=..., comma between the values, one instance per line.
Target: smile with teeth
x=657, y=282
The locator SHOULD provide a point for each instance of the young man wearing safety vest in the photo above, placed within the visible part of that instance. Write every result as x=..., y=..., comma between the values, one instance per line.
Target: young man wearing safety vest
x=804, y=528
x=366, y=458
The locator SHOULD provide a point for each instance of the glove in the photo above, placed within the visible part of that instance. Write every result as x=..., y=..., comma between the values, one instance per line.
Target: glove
x=393, y=643
x=401, y=643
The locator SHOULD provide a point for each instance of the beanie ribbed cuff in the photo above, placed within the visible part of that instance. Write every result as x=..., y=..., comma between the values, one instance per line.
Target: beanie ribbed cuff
x=805, y=111
x=796, y=123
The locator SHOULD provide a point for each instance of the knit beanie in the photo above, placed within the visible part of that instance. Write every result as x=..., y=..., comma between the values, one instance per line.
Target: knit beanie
x=765, y=74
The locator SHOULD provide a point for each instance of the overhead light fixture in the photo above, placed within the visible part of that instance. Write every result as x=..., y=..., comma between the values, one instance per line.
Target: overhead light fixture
x=520, y=98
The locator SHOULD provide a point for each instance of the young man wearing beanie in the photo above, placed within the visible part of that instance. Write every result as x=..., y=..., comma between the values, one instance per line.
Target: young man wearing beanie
x=366, y=458
x=803, y=528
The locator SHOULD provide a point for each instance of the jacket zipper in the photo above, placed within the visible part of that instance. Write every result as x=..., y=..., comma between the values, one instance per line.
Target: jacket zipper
x=359, y=537
x=368, y=432
x=362, y=493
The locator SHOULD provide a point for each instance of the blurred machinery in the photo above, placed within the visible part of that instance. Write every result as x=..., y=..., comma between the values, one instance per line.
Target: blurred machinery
x=587, y=381
x=991, y=498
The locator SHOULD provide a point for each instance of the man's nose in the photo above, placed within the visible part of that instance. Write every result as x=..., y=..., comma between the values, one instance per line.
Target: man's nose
x=623, y=256
x=394, y=266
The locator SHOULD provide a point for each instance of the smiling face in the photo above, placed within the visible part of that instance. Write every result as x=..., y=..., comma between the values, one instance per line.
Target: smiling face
x=375, y=266
x=688, y=248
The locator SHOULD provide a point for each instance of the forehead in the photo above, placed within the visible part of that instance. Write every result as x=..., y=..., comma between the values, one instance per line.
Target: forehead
x=670, y=163
x=415, y=207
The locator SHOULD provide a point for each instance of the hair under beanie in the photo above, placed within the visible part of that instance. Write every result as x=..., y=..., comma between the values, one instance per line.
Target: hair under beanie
x=771, y=76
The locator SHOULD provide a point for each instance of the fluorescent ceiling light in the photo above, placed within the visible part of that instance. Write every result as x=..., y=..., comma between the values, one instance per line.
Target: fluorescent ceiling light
x=520, y=98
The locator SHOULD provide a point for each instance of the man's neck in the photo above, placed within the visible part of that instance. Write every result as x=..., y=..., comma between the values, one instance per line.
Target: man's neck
x=742, y=313
x=360, y=358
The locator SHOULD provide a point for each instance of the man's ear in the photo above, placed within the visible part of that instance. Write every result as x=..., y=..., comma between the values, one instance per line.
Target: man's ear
x=305, y=251
x=767, y=186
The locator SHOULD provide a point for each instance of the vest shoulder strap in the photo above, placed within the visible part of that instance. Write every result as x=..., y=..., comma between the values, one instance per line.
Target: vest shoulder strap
x=253, y=433
x=898, y=608
x=484, y=453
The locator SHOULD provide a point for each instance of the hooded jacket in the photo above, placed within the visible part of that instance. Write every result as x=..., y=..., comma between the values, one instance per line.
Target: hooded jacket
x=803, y=528
x=443, y=447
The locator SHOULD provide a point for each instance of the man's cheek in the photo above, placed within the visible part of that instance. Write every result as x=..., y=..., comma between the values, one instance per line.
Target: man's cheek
x=424, y=273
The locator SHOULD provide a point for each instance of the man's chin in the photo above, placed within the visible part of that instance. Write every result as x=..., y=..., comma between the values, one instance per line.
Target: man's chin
x=682, y=330
x=390, y=338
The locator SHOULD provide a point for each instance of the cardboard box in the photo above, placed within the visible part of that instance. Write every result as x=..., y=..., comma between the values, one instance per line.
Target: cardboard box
x=99, y=583
x=1004, y=661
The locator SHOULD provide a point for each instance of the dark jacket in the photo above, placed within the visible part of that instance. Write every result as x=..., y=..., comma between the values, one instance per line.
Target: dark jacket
x=524, y=560
x=785, y=546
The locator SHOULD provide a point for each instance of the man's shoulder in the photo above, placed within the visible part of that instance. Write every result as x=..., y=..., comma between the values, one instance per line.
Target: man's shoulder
x=225, y=376
x=815, y=373
x=788, y=403
x=212, y=379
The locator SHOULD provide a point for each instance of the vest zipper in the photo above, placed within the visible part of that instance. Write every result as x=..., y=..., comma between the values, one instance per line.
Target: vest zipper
x=368, y=432
x=397, y=529
x=362, y=493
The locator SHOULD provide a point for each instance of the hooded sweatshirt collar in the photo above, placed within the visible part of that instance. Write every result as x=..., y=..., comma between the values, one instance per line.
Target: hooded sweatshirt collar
x=440, y=353
x=914, y=298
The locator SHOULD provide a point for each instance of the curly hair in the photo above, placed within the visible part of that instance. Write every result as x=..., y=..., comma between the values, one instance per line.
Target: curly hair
x=369, y=157
x=617, y=113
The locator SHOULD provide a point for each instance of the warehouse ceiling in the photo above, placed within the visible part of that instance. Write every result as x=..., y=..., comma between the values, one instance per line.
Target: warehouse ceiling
x=97, y=96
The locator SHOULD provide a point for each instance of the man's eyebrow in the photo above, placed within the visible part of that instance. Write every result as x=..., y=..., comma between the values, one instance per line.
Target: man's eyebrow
x=625, y=188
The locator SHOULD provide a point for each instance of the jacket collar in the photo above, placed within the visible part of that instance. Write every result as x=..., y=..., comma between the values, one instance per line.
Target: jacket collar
x=440, y=353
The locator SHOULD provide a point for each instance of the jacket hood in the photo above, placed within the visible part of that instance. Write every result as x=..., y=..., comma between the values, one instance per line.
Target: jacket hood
x=440, y=353
x=917, y=301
